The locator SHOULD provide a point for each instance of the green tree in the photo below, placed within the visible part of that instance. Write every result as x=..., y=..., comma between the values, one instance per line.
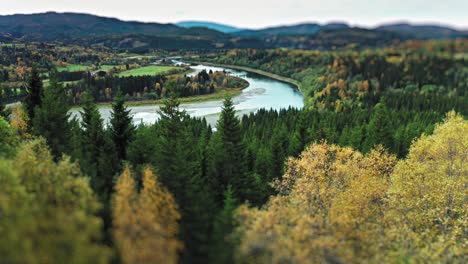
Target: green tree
x=34, y=91
x=51, y=117
x=95, y=157
x=176, y=161
x=121, y=127
x=4, y=111
x=8, y=138
x=222, y=244
x=380, y=128
x=227, y=165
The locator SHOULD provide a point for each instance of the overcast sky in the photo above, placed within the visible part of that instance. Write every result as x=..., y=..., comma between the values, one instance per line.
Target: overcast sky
x=258, y=13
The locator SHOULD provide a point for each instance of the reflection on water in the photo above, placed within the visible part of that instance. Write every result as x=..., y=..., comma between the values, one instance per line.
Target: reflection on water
x=263, y=92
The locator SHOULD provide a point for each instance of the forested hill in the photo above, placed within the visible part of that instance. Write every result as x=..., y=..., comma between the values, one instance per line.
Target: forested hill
x=86, y=29
x=60, y=26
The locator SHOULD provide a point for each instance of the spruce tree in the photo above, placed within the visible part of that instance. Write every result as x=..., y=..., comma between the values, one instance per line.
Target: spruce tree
x=228, y=165
x=222, y=244
x=121, y=127
x=176, y=161
x=98, y=159
x=51, y=118
x=94, y=149
x=172, y=159
x=380, y=128
x=34, y=91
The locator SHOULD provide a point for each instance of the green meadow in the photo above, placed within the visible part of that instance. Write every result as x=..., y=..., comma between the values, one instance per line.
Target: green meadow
x=73, y=67
x=148, y=70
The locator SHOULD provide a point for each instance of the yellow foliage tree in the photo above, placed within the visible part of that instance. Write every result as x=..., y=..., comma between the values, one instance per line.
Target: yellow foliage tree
x=428, y=216
x=336, y=205
x=19, y=121
x=48, y=211
x=327, y=209
x=145, y=224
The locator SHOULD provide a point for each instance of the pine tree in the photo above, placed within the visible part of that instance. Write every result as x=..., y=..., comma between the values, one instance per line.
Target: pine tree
x=34, y=92
x=222, y=243
x=121, y=127
x=51, y=118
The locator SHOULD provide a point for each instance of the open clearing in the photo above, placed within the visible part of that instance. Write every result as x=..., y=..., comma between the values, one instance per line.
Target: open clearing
x=72, y=68
x=148, y=70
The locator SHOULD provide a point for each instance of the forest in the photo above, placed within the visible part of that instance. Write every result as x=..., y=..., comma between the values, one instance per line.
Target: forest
x=372, y=170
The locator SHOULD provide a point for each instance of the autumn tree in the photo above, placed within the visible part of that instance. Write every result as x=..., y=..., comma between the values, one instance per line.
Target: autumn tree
x=19, y=122
x=328, y=205
x=48, y=210
x=427, y=198
x=145, y=225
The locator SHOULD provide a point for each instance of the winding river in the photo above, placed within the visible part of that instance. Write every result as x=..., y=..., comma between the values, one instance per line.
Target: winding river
x=263, y=92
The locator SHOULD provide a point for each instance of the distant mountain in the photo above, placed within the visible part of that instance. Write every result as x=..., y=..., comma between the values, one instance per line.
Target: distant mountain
x=204, y=24
x=298, y=29
x=423, y=31
x=85, y=29
x=61, y=26
x=405, y=31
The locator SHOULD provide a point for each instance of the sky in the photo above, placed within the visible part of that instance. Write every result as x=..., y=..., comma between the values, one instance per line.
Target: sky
x=259, y=13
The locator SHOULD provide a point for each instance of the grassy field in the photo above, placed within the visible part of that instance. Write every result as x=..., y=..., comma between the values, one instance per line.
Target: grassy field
x=139, y=57
x=148, y=70
x=73, y=67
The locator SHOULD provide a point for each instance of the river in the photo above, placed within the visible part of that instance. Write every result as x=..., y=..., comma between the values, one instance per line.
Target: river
x=262, y=92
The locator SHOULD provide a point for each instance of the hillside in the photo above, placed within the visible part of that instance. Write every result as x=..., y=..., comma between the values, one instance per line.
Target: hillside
x=135, y=36
x=423, y=31
x=62, y=26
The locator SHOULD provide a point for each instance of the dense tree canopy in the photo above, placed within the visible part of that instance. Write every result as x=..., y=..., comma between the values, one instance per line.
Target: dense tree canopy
x=336, y=205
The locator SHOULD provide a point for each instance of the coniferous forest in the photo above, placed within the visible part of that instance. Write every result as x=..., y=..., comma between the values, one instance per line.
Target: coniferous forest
x=373, y=169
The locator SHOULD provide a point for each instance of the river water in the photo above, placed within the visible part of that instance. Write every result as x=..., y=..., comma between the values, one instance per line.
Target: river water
x=262, y=92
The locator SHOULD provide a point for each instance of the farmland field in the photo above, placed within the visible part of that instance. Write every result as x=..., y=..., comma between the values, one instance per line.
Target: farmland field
x=73, y=67
x=148, y=70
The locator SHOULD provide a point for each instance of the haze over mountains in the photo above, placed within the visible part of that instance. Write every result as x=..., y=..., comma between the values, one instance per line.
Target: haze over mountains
x=112, y=32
